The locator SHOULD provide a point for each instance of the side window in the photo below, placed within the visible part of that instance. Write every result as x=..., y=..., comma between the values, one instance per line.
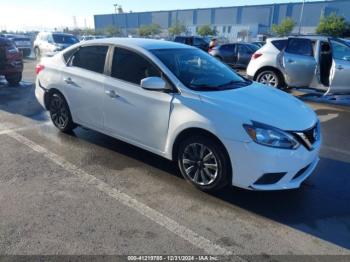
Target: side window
x=243, y=49
x=68, y=54
x=132, y=67
x=228, y=48
x=280, y=44
x=300, y=46
x=340, y=51
x=91, y=58
x=198, y=42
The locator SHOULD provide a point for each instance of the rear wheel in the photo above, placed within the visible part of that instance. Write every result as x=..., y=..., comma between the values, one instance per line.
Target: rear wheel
x=14, y=79
x=204, y=163
x=270, y=78
x=60, y=113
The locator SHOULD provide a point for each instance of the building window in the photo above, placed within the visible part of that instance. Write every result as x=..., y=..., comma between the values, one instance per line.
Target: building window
x=229, y=29
x=224, y=29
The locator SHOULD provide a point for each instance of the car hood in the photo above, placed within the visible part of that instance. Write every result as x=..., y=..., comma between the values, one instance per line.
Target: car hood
x=266, y=105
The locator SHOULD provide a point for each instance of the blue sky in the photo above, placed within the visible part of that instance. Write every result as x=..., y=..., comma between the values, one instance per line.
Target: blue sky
x=58, y=13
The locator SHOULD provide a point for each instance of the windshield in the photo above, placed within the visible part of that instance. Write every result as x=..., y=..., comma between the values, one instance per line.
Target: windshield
x=199, y=71
x=65, y=39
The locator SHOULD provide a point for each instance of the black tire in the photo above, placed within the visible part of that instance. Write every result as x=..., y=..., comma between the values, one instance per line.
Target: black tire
x=37, y=53
x=202, y=164
x=60, y=113
x=270, y=78
x=14, y=79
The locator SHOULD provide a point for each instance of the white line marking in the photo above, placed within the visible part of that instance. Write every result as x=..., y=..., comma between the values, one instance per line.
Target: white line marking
x=157, y=217
x=19, y=129
x=345, y=152
x=326, y=118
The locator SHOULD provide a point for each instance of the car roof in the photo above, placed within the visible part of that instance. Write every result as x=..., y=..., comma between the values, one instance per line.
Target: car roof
x=148, y=44
x=311, y=37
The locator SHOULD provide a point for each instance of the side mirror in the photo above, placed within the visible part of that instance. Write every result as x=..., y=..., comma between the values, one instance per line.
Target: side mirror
x=153, y=84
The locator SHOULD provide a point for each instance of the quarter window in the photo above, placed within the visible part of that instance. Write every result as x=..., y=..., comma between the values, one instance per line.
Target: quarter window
x=132, y=67
x=91, y=58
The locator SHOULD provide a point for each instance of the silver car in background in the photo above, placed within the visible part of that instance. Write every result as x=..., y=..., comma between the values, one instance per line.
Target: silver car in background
x=318, y=62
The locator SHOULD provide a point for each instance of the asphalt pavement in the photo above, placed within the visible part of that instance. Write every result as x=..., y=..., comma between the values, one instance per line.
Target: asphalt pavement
x=87, y=193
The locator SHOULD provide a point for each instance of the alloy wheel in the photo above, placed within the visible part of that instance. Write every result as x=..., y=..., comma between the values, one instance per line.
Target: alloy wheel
x=59, y=112
x=200, y=164
x=269, y=79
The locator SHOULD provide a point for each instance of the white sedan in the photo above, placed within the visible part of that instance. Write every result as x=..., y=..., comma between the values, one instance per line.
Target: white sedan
x=184, y=105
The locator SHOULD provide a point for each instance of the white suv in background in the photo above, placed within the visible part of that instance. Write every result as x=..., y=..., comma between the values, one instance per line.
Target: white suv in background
x=181, y=103
x=48, y=44
x=319, y=62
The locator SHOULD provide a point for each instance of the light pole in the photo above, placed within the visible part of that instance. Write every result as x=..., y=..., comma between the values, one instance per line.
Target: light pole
x=115, y=8
x=301, y=16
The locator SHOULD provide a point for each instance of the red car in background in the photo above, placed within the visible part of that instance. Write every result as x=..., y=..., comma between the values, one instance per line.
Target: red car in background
x=11, y=62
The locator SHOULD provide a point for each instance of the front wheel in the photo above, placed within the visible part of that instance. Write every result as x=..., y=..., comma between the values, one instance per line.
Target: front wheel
x=270, y=78
x=204, y=163
x=60, y=113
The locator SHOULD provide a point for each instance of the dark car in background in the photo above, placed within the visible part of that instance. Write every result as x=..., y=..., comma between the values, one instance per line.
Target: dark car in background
x=196, y=41
x=236, y=55
x=11, y=61
x=22, y=42
x=48, y=44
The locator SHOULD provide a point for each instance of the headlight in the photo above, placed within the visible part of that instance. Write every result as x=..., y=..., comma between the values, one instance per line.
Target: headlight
x=271, y=136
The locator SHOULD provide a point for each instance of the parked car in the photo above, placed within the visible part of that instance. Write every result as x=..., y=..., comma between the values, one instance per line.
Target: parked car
x=236, y=55
x=47, y=44
x=196, y=41
x=259, y=44
x=11, y=61
x=182, y=104
x=318, y=62
x=22, y=42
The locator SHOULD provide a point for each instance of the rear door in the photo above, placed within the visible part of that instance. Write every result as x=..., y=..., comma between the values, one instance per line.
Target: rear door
x=298, y=62
x=340, y=72
x=228, y=53
x=84, y=79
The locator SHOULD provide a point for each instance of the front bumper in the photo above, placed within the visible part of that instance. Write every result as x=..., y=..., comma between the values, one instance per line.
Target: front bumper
x=251, y=161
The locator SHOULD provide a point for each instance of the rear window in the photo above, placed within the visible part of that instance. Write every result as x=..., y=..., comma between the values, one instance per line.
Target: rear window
x=65, y=39
x=280, y=44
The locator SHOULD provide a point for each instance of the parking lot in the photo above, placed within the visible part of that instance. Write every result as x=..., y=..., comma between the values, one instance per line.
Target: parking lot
x=87, y=193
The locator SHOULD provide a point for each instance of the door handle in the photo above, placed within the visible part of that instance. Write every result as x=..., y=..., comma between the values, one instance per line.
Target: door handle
x=69, y=81
x=112, y=94
x=339, y=67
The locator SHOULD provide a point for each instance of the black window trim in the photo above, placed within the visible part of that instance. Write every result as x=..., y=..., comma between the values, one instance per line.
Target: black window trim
x=109, y=63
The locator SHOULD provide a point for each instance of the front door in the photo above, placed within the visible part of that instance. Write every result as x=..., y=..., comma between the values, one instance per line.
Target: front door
x=130, y=112
x=83, y=79
x=244, y=54
x=340, y=72
x=298, y=62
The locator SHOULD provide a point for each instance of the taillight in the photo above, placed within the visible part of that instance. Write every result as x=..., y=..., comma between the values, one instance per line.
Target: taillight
x=256, y=55
x=39, y=68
